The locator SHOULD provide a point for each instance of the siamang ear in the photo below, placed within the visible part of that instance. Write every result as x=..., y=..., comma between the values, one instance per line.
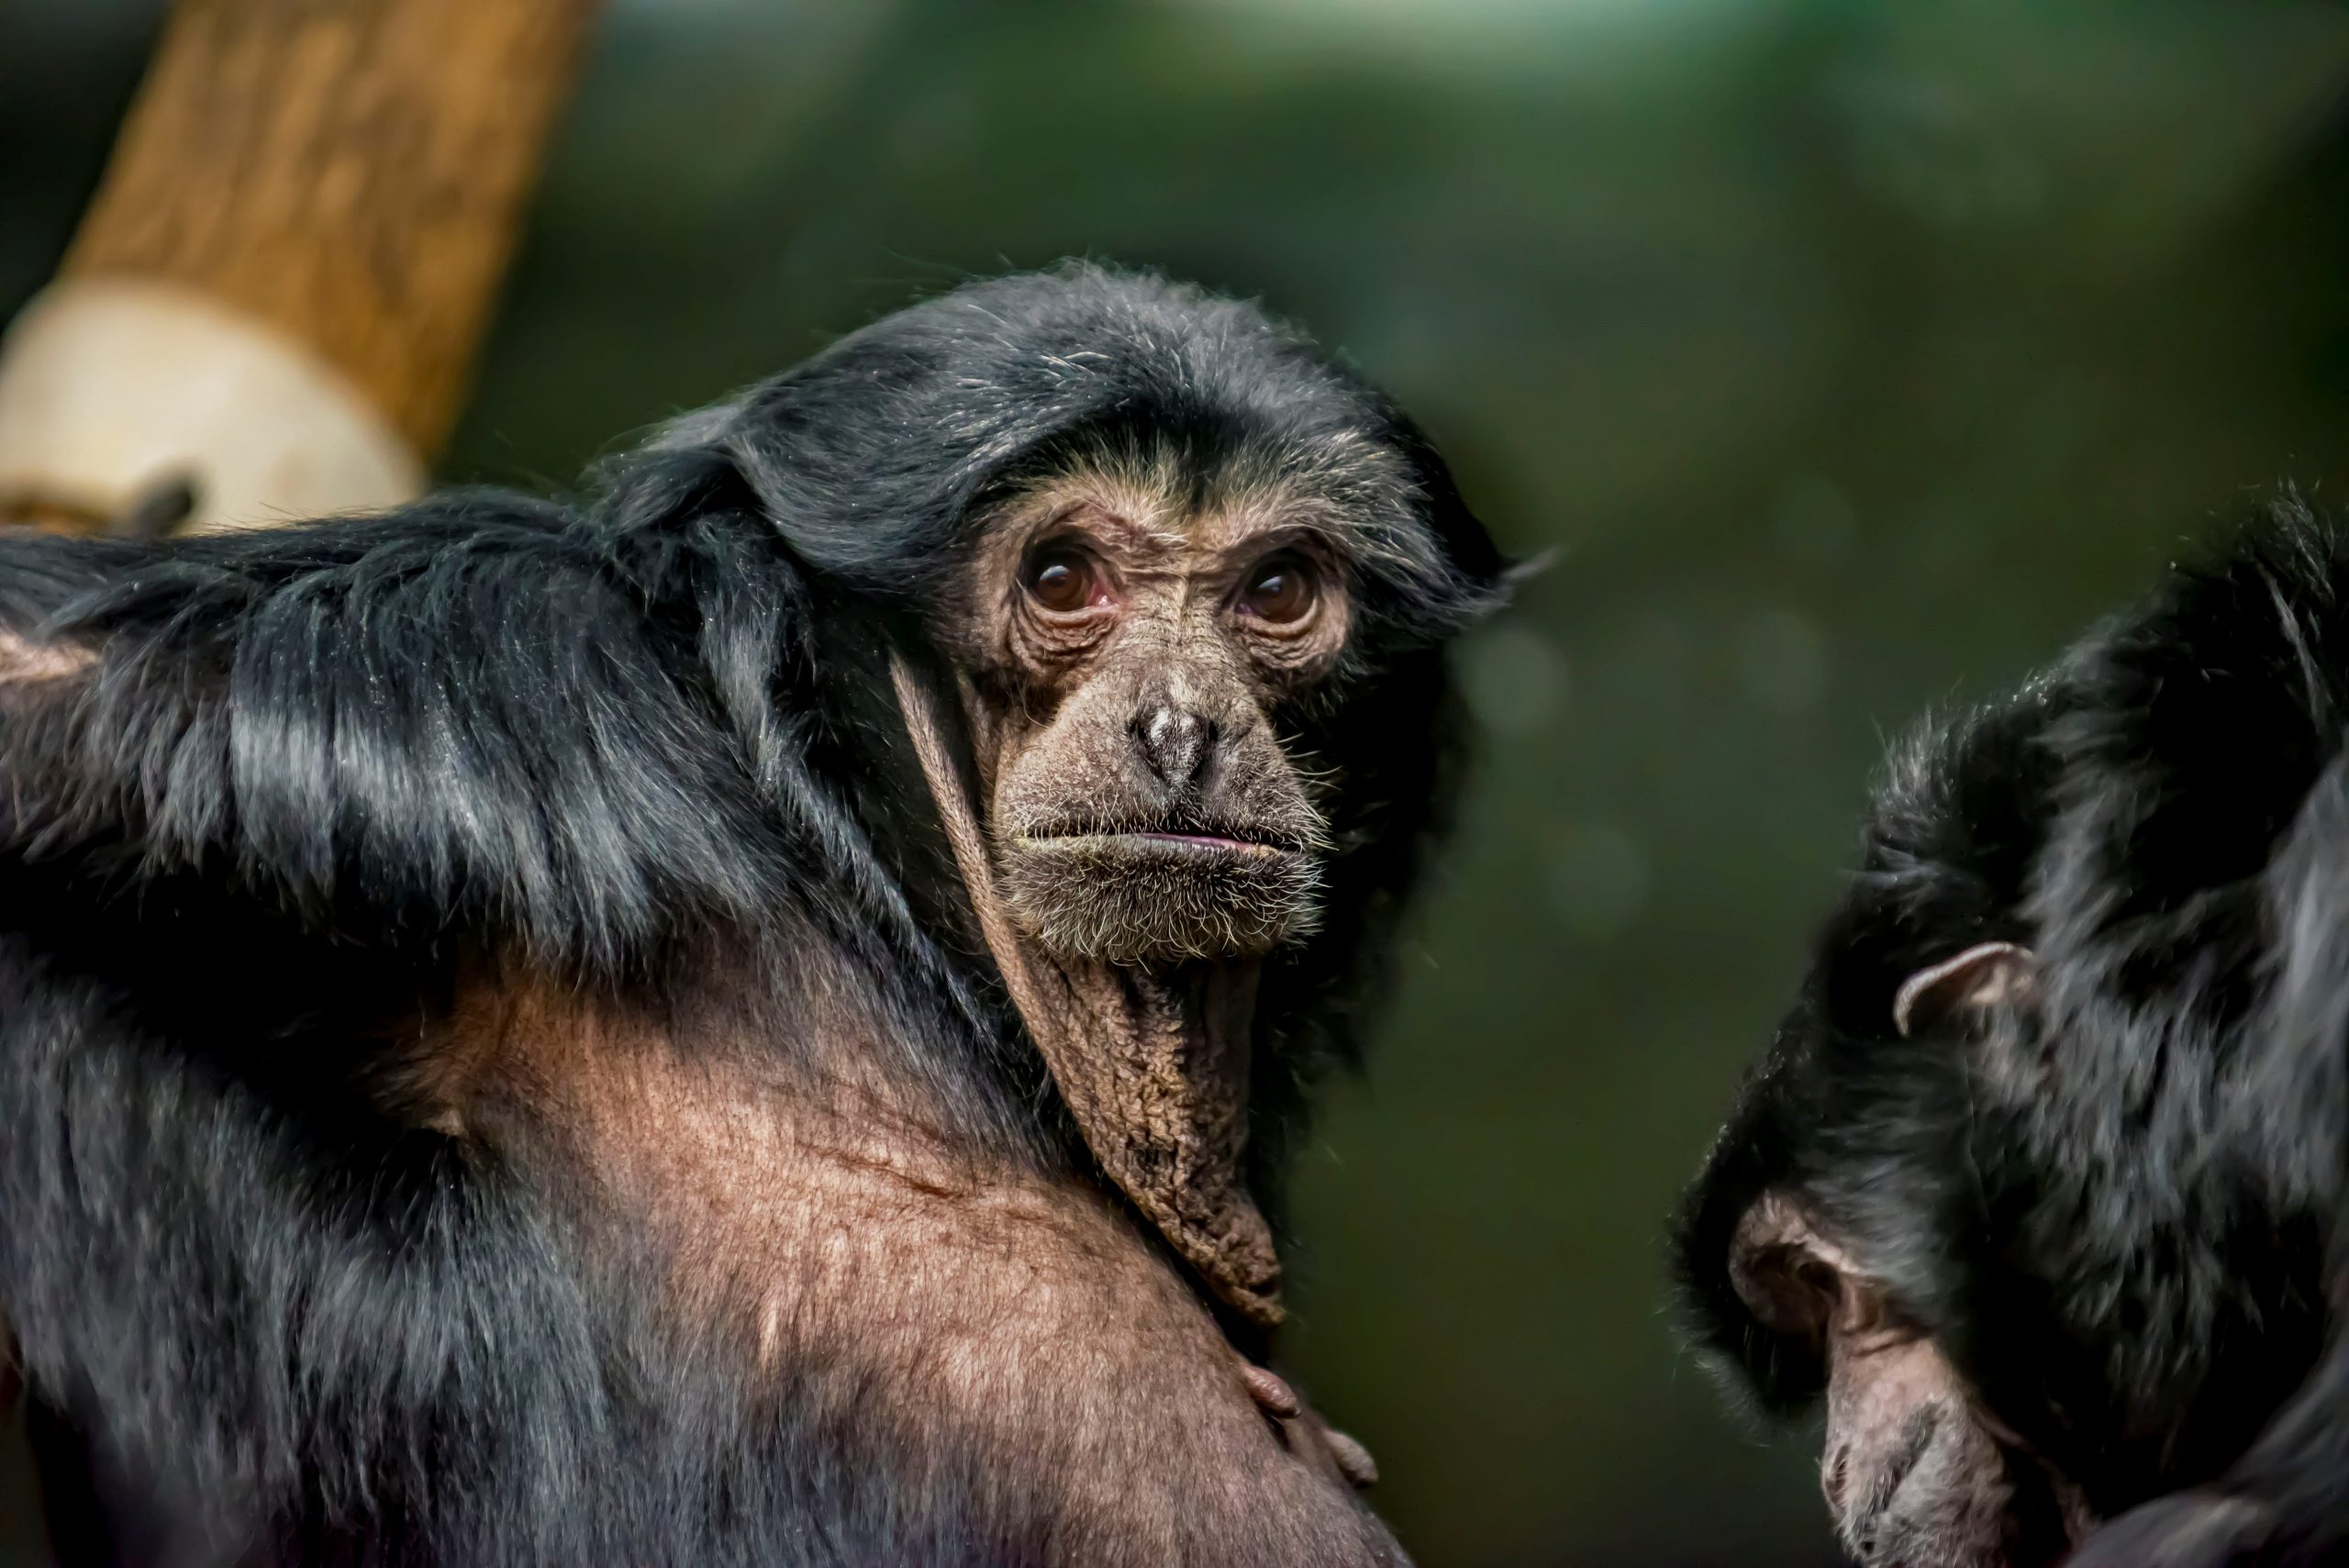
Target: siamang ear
x=1980, y=978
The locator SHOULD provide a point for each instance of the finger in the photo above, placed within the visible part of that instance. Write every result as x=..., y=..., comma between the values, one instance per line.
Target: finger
x=1270, y=1391
x=1354, y=1460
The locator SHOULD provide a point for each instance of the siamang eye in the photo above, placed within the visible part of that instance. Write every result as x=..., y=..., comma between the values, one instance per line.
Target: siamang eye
x=1061, y=579
x=1280, y=592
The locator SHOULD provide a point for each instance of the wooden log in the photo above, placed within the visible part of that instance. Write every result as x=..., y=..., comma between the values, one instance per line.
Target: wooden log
x=275, y=296
x=351, y=172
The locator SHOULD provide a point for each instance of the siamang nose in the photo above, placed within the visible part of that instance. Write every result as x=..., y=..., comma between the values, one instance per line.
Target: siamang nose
x=1174, y=740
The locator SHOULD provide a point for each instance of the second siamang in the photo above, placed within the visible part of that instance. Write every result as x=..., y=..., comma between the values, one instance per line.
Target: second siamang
x=2040, y=1188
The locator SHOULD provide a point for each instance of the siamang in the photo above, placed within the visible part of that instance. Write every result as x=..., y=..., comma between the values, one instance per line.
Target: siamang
x=2040, y=1184
x=751, y=1018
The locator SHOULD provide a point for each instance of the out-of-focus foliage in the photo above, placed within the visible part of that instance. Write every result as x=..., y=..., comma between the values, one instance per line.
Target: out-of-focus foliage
x=1850, y=356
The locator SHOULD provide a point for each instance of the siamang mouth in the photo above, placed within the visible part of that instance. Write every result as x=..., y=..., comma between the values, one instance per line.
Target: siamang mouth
x=1160, y=893
x=1200, y=840
x=1210, y=841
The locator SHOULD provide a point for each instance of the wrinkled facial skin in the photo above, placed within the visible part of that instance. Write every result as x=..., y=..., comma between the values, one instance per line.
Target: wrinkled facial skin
x=1136, y=645
x=1916, y=1475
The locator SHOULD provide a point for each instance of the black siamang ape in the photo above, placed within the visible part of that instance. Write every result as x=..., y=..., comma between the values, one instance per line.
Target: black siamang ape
x=2042, y=1185
x=744, y=1022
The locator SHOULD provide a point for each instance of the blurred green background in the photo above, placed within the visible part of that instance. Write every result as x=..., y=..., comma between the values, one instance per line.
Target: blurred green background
x=1850, y=356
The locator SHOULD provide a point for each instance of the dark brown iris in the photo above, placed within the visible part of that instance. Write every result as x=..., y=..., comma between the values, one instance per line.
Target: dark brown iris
x=1280, y=591
x=1060, y=579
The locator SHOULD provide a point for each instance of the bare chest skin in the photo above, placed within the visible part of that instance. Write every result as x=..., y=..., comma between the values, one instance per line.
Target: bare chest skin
x=784, y=1219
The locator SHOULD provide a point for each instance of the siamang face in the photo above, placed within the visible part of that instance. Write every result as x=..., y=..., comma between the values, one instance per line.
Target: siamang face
x=1917, y=1471
x=1912, y=1474
x=1142, y=630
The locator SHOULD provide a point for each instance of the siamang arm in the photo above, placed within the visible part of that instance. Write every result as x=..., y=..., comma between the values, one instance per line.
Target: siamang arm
x=2285, y=1501
x=2284, y=1504
x=481, y=716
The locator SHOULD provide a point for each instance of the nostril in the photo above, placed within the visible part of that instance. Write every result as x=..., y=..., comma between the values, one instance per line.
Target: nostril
x=1173, y=741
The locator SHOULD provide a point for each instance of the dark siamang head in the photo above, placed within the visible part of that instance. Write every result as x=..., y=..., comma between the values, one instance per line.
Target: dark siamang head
x=1191, y=577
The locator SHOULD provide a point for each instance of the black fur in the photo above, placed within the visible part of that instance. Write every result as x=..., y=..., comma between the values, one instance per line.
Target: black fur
x=2133, y=1250
x=312, y=771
